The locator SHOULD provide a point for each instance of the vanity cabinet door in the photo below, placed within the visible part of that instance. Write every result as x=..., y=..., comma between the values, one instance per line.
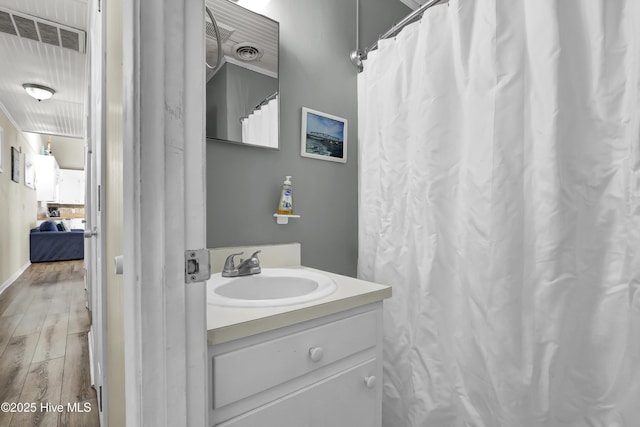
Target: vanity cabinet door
x=347, y=399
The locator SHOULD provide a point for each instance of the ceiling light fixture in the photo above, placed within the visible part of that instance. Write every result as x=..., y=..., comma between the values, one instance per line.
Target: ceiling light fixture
x=38, y=92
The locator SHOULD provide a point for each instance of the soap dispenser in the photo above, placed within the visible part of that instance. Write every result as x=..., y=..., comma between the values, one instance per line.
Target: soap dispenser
x=285, y=207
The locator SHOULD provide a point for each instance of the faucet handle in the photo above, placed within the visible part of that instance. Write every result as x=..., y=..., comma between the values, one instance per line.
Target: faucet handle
x=254, y=263
x=228, y=263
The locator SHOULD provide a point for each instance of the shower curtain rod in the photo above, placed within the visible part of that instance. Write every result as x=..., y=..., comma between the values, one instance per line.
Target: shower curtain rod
x=261, y=103
x=357, y=56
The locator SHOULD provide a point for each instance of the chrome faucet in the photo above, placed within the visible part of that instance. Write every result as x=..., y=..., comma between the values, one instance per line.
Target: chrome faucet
x=246, y=267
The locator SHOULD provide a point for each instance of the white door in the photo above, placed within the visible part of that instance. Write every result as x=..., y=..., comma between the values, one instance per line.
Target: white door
x=94, y=172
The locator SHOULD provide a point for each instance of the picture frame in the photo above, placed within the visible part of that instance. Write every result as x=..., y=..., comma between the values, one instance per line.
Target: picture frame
x=29, y=172
x=323, y=136
x=15, y=165
x=1, y=150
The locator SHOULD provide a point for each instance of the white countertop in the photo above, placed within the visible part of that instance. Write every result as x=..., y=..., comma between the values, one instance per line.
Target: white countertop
x=230, y=323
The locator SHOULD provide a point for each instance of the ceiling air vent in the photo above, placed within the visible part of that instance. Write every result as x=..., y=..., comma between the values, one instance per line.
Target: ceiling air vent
x=41, y=30
x=26, y=27
x=69, y=39
x=247, y=52
x=48, y=33
x=6, y=24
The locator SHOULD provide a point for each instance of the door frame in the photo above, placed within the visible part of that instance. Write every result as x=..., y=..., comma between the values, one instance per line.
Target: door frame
x=94, y=177
x=164, y=175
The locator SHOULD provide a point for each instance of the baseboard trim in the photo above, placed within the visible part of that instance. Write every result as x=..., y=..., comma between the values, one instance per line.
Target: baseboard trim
x=13, y=277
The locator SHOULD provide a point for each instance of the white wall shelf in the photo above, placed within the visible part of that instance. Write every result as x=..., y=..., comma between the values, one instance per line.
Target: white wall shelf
x=284, y=219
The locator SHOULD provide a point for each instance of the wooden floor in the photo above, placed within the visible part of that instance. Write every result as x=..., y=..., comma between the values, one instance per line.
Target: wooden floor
x=44, y=353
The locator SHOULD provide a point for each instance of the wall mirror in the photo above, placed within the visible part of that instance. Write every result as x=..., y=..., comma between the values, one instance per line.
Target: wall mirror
x=243, y=89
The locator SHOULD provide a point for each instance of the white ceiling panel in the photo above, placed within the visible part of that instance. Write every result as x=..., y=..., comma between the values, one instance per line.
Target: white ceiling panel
x=42, y=62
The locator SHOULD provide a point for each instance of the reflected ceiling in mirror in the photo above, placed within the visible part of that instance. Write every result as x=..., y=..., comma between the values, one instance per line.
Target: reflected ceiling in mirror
x=242, y=91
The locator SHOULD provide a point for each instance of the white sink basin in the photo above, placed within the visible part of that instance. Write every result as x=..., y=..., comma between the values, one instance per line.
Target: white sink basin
x=271, y=288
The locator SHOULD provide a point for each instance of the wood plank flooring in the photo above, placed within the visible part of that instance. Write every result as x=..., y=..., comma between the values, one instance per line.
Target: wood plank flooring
x=44, y=351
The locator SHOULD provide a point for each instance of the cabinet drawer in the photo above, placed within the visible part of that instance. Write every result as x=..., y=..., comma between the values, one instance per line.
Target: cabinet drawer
x=249, y=370
x=343, y=400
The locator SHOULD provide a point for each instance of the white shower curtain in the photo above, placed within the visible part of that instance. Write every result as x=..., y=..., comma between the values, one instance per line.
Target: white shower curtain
x=261, y=126
x=499, y=179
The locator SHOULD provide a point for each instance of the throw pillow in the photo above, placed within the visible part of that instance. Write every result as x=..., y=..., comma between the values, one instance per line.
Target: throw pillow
x=48, y=226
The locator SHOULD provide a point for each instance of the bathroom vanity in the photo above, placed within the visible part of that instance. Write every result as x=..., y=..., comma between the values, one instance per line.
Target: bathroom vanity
x=313, y=364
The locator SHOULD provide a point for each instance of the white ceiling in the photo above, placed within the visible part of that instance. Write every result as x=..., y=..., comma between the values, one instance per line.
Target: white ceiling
x=31, y=61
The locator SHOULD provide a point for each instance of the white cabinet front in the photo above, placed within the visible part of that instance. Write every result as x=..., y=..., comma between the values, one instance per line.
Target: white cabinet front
x=348, y=399
x=72, y=189
x=323, y=372
x=47, y=176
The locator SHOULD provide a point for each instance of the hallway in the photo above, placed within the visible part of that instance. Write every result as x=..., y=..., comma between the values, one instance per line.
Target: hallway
x=44, y=354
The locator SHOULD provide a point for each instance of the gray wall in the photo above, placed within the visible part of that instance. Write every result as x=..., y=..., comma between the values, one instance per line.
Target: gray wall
x=216, y=119
x=243, y=182
x=378, y=16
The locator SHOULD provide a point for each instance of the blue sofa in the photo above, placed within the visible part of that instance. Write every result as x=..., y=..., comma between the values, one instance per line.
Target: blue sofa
x=49, y=243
